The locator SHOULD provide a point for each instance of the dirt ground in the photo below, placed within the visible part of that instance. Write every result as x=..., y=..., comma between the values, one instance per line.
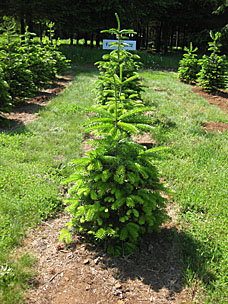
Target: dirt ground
x=219, y=99
x=81, y=273
x=27, y=111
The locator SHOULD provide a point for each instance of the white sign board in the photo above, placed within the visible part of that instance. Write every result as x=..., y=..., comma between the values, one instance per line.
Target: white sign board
x=107, y=44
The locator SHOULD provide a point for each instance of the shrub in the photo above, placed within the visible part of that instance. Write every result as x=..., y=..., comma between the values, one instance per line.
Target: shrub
x=213, y=73
x=189, y=66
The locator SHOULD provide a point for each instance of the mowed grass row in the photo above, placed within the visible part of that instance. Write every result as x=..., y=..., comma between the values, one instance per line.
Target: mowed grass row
x=33, y=161
x=81, y=55
x=196, y=169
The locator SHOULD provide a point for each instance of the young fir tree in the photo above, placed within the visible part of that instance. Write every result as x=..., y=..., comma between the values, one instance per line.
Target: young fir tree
x=111, y=64
x=15, y=70
x=116, y=193
x=213, y=73
x=189, y=66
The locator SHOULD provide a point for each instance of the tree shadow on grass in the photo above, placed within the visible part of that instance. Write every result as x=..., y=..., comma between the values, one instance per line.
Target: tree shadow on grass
x=196, y=256
x=20, y=115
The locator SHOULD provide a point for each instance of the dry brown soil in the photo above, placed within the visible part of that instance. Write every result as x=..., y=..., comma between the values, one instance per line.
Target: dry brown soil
x=27, y=111
x=219, y=99
x=81, y=273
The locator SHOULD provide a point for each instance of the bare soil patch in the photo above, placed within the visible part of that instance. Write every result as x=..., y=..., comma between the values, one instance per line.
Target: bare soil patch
x=82, y=273
x=216, y=126
x=219, y=99
x=26, y=111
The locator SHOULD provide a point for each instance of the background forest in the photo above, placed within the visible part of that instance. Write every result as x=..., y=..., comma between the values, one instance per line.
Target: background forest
x=161, y=25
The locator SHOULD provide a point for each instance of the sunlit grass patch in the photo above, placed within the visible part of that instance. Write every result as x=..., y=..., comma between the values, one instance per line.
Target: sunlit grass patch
x=196, y=169
x=33, y=160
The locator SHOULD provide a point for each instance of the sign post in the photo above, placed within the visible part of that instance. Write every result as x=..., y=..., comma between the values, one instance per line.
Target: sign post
x=129, y=44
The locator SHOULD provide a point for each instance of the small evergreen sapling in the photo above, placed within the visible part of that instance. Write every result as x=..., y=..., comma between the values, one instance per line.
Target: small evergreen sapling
x=189, y=66
x=116, y=193
x=119, y=61
x=213, y=73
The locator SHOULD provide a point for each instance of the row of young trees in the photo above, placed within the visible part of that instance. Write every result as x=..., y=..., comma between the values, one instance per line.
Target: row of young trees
x=210, y=71
x=161, y=24
x=25, y=66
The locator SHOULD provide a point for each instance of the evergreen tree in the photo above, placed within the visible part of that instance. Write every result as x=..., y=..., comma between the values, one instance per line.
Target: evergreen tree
x=213, y=73
x=116, y=196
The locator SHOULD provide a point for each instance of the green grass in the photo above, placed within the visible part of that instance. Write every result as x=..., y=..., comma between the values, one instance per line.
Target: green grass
x=33, y=161
x=80, y=55
x=195, y=167
x=169, y=61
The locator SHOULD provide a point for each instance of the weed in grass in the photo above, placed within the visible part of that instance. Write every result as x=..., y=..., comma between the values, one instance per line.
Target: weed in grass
x=14, y=276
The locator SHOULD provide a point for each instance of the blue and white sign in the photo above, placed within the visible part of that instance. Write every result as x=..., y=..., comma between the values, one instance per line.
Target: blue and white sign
x=130, y=44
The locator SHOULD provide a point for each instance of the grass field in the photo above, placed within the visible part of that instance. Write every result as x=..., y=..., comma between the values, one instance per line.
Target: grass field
x=34, y=160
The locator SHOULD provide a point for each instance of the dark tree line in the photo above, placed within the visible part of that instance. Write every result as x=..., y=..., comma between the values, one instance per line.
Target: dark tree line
x=160, y=24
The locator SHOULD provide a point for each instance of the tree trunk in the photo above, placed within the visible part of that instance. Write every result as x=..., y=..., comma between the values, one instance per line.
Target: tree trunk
x=72, y=39
x=171, y=39
x=29, y=23
x=138, y=38
x=22, y=21
x=184, y=38
x=98, y=38
x=86, y=39
x=147, y=35
x=165, y=36
x=77, y=38
x=158, y=39
x=178, y=37
x=91, y=41
x=143, y=37
x=41, y=33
